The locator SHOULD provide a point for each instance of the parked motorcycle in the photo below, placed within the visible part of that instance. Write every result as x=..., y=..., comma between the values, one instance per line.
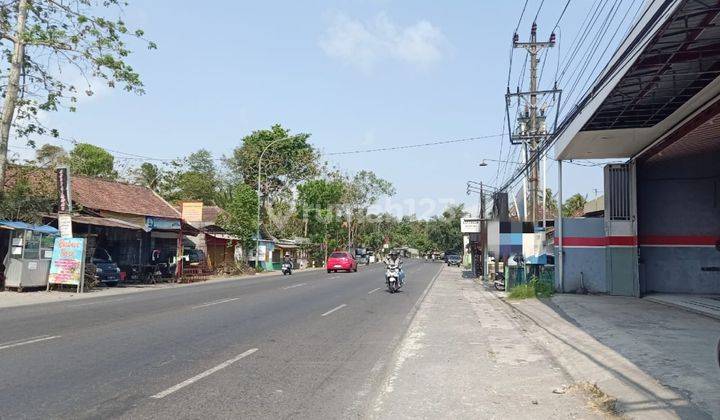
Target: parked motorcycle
x=287, y=269
x=499, y=282
x=393, y=278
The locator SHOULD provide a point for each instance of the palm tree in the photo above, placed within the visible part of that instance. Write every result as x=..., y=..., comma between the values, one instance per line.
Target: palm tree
x=574, y=206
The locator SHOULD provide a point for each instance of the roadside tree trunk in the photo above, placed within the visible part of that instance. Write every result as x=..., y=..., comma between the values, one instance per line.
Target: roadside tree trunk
x=13, y=88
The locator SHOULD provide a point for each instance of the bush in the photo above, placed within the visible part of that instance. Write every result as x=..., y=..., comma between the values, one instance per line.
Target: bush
x=534, y=288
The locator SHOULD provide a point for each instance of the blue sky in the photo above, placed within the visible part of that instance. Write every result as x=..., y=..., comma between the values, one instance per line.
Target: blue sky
x=355, y=74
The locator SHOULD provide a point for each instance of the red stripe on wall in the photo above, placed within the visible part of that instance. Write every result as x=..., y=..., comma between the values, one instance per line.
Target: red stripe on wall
x=650, y=240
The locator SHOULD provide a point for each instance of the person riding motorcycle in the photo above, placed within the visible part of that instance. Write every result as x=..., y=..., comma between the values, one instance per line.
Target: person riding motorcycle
x=393, y=258
x=288, y=260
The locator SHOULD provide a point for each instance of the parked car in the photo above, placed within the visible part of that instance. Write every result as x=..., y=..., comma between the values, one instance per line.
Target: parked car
x=340, y=260
x=453, y=260
x=106, y=270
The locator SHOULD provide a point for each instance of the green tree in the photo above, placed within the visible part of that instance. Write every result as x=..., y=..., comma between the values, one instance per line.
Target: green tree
x=90, y=160
x=50, y=156
x=148, y=175
x=194, y=178
x=551, y=205
x=240, y=217
x=41, y=36
x=574, y=206
x=444, y=231
x=21, y=200
x=318, y=202
x=290, y=160
x=362, y=191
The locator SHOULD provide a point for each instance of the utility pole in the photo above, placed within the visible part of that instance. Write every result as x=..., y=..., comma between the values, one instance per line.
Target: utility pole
x=531, y=129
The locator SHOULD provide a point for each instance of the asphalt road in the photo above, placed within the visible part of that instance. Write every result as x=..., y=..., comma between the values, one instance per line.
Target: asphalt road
x=309, y=345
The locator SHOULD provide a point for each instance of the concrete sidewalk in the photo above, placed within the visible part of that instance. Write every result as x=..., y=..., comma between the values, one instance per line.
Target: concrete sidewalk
x=659, y=361
x=467, y=355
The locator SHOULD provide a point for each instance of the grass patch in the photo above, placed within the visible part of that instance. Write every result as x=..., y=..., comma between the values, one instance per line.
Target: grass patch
x=598, y=399
x=534, y=288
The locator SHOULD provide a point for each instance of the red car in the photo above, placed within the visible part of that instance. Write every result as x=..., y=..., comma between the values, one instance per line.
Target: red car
x=341, y=261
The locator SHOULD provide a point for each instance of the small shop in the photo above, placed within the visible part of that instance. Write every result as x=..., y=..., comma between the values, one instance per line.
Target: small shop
x=26, y=253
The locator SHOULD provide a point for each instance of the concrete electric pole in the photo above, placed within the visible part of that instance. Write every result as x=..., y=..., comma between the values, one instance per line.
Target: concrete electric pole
x=531, y=128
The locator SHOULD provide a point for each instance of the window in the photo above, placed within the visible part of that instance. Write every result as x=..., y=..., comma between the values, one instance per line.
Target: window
x=338, y=255
x=47, y=243
x=32, y=245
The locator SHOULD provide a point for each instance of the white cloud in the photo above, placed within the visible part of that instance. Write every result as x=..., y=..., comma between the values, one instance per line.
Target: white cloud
x=364, y=44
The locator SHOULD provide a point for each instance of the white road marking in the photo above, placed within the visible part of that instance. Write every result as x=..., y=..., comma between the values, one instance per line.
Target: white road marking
x=216, y=302
x=334, y=309
x=28, y=341
x=294, y=286
x=374, y=290
x=208, y=372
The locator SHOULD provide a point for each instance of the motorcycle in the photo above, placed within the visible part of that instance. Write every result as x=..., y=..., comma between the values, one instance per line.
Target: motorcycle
x=393, y=278
x=499, y=282
x=287, y=269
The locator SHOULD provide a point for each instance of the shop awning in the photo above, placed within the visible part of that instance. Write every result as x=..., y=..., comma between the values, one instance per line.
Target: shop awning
x=224, y=236
x=101, y=221
x=666, y=71
x=7, y=224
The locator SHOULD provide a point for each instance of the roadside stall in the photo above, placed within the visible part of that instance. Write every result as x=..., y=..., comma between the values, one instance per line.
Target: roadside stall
x=29, y=251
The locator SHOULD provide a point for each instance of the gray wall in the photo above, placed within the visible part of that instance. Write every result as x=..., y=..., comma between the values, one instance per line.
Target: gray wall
x=587, y=263
x=679, y=197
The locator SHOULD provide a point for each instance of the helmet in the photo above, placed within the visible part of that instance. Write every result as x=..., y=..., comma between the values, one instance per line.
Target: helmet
x=287, y=254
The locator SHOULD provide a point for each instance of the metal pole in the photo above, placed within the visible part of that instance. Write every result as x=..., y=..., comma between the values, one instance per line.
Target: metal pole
x=561, y=280
x=544, y=191
x=533, y=121
x=483, y=238
x=525, y=184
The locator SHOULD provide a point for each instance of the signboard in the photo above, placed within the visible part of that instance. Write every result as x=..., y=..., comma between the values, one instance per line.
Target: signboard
x=65, y=225
x=152, y=223
x=262, y=253
x=62, y=175
x=192, y=211
x=470, y=225
x=67, y=266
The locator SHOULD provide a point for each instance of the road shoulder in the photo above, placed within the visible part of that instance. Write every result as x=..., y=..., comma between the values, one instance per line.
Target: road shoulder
x=466, y=356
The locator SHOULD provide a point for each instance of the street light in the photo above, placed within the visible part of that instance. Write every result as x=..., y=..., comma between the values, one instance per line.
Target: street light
x=257, y=234
x=483, y=163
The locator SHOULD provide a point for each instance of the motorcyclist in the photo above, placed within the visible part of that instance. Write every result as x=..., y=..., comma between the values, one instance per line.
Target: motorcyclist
x=393, y=258
x=288, y=260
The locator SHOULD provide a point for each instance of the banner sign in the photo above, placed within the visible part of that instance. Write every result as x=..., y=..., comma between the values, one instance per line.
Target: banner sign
x=470, y=225
x=152, y=223
x=68, y=262
x=65, y=225
x=62, y=175
x=192, y=211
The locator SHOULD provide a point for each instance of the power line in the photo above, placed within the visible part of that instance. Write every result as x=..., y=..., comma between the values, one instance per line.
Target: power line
x=412, y=146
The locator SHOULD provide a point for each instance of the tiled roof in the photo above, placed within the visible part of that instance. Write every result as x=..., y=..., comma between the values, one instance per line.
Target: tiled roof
x=118, y=197
x=100, y=194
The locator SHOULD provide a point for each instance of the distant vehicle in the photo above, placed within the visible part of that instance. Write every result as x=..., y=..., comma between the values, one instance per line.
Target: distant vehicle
x=363, y=260
x=341, y=260
x=371, y=257
x=453, y=260
x=105, y=268
x=286, y=269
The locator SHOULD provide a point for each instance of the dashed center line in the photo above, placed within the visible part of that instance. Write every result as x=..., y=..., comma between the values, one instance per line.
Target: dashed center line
x=294, y=286
x=334, y=309
x=28, y=341
x=374, y=290
x=197, y=377
x=216, y=302
x=96, y=303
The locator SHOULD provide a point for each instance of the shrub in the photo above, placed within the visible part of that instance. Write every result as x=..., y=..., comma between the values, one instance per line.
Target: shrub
x=534, y=288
